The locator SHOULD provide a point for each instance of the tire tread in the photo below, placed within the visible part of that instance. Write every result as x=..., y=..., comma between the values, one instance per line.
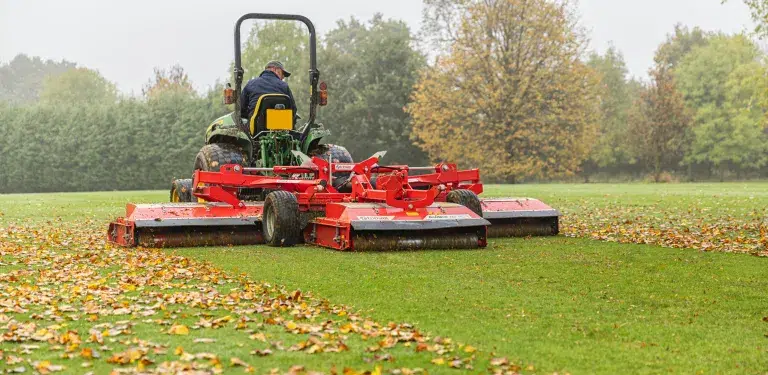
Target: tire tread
x=288, y=219
x=466, y=198
x=212, y=156
x=184, y=187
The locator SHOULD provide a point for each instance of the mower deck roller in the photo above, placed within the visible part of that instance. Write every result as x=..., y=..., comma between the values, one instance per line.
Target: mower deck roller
x=187, y=225
x=377, y=227
x=508, y=217
x=520, y=217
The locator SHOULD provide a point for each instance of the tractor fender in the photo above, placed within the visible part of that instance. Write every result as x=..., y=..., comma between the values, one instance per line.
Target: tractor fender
x=313, y=138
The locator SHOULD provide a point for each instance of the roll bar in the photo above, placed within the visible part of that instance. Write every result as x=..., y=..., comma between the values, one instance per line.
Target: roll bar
x=314, y=74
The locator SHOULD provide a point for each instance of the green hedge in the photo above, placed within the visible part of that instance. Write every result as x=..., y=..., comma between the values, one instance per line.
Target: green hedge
x=131, y=144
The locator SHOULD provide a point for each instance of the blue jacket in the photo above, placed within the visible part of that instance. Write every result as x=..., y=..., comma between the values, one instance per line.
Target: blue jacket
x=266, y=83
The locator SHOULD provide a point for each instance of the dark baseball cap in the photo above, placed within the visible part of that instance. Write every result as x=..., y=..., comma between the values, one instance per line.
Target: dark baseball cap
x=278, y=64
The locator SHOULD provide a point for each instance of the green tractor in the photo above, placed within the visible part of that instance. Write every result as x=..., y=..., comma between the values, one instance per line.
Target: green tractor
x=268, y=137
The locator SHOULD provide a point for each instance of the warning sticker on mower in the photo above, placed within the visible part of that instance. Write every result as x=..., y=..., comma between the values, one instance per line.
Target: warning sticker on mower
x=375, y=218
x=344, y=167
x=447, y=217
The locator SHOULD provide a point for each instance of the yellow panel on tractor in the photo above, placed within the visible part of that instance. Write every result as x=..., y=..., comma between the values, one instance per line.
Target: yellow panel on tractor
x=279, y=119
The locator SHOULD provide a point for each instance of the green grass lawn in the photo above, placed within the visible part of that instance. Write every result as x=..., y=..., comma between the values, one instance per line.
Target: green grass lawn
x=557, y=304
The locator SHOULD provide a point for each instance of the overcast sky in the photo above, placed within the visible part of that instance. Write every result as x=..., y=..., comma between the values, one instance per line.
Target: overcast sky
x=124, y=40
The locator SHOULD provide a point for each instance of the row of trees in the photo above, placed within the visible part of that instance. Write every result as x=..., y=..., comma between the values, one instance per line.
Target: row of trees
x=94, y=142
x=508, y=88
x=73, y=131
x=513, y=90
x=704, y=111
x=702, y=114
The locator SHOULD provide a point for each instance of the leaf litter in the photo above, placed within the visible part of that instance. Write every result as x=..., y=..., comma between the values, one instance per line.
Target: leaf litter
x=696, y=226
x=60, y=274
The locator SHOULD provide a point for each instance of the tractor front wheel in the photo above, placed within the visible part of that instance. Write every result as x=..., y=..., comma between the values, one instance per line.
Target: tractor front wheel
x=466, y=198
x=181, y=190
x=281, y=220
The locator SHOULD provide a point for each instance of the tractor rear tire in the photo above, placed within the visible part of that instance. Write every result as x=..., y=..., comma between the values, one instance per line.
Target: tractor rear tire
x=281, y=221
x=213, y=156
x=339, y=154
x=181, y=190
x=466, y=198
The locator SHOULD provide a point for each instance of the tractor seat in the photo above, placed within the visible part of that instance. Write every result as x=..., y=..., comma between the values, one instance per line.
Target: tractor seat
x=273, y=112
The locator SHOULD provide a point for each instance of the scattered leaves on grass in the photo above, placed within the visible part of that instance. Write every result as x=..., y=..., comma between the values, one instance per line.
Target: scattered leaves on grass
x=204, y=341
x=696, y=226
x=261, y=352
x=178, y=329
x=46, y=367
x=234, y=361
x=66, y=274
x=499, y=361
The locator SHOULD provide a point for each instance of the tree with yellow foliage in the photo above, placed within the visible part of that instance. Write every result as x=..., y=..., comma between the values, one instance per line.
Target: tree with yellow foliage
x=173, y=80
x=659, y=123
x=511, y=94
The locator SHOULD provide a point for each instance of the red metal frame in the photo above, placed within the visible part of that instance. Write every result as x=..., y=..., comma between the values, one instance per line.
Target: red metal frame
x=448, y=177
x=395, y=188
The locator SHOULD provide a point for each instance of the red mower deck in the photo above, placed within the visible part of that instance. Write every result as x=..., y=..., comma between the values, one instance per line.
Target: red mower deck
x=187, y=224
x=394, y=211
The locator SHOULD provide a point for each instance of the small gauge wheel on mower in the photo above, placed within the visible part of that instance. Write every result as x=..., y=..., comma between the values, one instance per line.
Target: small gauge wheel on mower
x=466, y=198
x=281, y=221
x=181, y=190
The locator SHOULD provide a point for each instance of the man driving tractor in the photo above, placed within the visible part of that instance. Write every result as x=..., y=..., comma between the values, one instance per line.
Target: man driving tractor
x=270, y=81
